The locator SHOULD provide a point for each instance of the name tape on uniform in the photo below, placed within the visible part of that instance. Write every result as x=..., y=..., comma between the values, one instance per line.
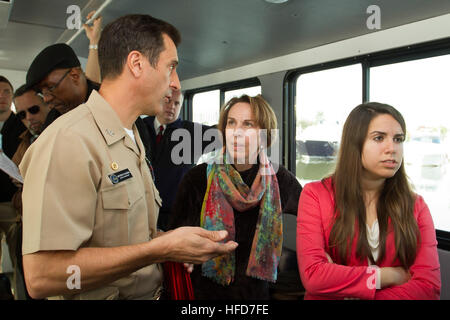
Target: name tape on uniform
x=120, y=176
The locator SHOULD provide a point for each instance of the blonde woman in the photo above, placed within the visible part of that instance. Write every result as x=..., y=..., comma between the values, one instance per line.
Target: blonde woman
x=239, y=191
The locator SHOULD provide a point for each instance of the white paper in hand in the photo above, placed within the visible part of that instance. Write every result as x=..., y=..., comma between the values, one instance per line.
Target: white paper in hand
x=9, y=167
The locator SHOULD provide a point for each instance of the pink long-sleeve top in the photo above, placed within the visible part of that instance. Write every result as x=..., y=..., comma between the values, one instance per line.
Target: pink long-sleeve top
x=324, y=280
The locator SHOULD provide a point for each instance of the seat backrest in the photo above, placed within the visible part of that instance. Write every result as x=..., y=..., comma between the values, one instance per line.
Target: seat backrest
x=289, y=231
x=288, y=285
x=444, y=260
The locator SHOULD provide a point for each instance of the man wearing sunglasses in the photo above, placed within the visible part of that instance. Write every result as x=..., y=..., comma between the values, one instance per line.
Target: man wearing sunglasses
x=32, y=111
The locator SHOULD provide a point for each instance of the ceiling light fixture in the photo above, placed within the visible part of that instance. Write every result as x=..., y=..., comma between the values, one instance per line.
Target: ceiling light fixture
x=5, y=11
x=277, y=1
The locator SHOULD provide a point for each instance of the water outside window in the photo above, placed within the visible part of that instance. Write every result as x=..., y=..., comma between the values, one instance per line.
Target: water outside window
x=323, y=101
x=419, y=90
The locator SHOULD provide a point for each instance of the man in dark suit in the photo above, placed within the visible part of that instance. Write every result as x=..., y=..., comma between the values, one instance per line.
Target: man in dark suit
x=10, y=126
x=10, y=130
x=176, y=145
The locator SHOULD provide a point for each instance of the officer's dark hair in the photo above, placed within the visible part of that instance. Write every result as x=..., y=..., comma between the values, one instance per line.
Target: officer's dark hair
x=138, y=32
x=3, y=79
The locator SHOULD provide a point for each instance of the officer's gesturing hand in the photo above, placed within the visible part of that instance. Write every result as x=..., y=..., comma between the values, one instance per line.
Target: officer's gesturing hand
x=46, y=271
x=195, y=244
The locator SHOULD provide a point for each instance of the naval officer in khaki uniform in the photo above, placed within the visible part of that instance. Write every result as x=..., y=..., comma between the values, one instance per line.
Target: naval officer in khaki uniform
x=90, y=205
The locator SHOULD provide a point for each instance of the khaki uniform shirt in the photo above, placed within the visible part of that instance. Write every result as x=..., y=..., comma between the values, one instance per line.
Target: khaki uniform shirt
x=78, y=192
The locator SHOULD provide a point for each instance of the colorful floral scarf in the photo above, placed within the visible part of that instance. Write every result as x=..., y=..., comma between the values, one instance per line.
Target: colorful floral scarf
x=225, y=191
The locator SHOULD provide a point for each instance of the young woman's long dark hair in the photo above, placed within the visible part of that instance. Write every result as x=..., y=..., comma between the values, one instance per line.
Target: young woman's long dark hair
x=395, y=202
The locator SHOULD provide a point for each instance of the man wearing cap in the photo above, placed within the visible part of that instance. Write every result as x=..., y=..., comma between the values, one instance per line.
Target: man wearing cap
x=90, y=204
x=52, y=65
x=56, y=74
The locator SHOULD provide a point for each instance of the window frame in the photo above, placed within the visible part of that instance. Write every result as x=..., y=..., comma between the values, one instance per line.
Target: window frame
x=407, y=53
x=223, y=87
x=289, y=147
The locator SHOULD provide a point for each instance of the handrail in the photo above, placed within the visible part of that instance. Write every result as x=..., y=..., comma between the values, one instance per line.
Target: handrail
x=96, y=14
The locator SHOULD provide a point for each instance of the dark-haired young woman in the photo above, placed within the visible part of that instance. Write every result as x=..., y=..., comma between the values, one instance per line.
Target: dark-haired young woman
x=362, y=233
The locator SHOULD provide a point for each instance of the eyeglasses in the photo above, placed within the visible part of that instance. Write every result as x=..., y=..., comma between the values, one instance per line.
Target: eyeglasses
x=32, y=110
x=45, y=91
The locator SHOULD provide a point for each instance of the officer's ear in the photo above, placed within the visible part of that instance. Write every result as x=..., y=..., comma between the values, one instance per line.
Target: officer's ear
x=135, y=63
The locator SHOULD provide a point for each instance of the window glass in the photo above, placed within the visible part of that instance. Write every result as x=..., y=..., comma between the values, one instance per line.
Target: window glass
x=250, y=91
x=419, y=90
x=206, y=107
x=323, y=101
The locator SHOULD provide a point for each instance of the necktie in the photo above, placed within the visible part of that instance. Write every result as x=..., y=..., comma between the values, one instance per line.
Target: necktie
x=160, y=134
